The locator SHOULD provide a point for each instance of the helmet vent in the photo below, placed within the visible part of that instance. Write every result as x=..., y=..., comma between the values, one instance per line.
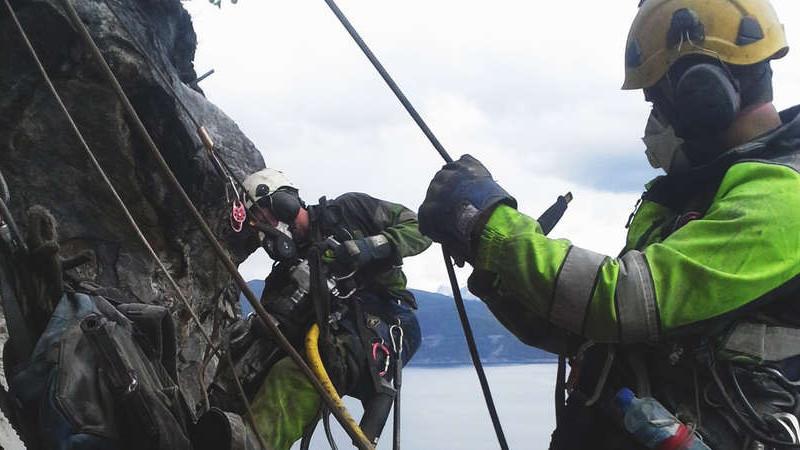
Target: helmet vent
x=749, y=31
x=685, y=25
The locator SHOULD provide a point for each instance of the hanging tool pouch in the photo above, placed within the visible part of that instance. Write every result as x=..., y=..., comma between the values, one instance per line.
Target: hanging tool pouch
x=102, y=378
x=377, y=403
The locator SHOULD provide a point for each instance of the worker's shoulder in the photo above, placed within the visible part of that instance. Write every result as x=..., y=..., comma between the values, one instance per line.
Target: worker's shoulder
x=774, y=177
x=362, y=200
x=790, y=160
x=354, y=196
x=780, y=147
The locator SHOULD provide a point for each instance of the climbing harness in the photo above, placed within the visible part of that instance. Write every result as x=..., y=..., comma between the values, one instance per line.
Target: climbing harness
x=339, y=412
x=547, y=220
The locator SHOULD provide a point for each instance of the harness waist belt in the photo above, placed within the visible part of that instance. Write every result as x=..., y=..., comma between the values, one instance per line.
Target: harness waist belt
x=765, y=343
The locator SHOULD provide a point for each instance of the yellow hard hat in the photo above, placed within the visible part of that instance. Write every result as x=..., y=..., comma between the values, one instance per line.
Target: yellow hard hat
x=739, y=32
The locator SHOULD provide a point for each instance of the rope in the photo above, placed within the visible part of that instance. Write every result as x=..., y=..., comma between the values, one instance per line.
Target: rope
x=220, y=164
x=118, y=199
x=269, y=322
x=459, y=301
x=5, y=195
x=198, y=126
x=205, y=138
x=473, y=352
x=548, y=220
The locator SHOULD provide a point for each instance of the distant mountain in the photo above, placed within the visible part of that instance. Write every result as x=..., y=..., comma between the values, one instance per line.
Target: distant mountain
x=447, y=291
x=443, y=341
x=256, y=286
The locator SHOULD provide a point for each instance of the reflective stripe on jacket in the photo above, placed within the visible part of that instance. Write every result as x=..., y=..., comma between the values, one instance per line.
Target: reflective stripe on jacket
x=742, y=249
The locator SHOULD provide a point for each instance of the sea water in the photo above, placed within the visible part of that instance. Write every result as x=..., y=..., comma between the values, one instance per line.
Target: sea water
x=443, y=409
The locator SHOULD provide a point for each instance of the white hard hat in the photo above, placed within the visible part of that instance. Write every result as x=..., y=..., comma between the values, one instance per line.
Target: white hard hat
x=264, y=183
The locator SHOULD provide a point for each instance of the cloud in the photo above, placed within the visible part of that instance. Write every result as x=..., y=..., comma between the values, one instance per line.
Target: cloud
x=530, y=88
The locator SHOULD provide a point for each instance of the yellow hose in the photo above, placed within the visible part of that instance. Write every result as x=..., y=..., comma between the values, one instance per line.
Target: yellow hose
x=315, y=362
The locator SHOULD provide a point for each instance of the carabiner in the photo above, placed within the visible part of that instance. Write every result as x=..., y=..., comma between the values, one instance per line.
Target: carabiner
x=380, y=346
x=397, y=345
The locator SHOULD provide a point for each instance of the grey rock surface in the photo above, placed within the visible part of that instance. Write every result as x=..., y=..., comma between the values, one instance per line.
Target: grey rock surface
x=44, y=164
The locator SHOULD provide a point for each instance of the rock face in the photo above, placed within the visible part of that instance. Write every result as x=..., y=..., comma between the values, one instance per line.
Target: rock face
x=44, y=164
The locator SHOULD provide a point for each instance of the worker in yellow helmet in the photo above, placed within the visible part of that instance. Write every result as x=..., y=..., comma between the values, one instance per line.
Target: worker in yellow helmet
x=690, y=338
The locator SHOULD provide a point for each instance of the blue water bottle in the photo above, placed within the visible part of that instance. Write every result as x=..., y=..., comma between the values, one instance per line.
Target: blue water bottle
x=653, y=426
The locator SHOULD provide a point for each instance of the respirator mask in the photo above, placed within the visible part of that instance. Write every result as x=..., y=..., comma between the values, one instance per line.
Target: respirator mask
x=664, y=149
x=284, y=204
x=277, y=241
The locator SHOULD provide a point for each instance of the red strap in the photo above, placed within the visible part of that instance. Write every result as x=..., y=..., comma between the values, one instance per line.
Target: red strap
x=680, y=441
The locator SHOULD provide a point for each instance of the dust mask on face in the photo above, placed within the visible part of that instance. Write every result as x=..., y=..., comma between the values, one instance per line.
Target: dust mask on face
x=664, y=148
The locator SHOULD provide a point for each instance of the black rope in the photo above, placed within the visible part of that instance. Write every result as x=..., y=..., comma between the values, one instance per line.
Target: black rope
x=462, y=313
x=326, y=425
x=389, y=81
x=473, y=352
x=547, y=221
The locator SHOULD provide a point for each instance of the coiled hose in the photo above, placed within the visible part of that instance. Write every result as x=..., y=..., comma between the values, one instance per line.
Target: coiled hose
x=316, y=365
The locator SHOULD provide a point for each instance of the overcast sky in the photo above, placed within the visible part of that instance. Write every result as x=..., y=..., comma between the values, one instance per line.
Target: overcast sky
x=531, y=88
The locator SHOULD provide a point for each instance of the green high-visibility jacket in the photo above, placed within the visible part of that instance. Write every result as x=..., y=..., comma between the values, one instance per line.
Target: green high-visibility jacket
x=722, y=239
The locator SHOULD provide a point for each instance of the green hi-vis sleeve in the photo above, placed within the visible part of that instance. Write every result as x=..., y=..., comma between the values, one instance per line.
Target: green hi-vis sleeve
x=745, y=247
x=403, y=231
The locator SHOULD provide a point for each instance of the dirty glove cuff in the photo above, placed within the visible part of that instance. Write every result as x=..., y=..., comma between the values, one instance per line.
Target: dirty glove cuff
x=357, y=253
x=461, y=193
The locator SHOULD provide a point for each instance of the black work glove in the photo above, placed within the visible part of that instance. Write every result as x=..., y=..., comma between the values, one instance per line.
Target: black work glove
x=457, y=197
x=354, y=254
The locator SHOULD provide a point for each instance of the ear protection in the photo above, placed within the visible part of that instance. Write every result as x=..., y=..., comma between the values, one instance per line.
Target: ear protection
x=284, y=204
x=706, y=101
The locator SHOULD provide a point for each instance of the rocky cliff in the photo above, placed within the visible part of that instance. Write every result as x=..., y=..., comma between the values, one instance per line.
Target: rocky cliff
x=44, y=164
